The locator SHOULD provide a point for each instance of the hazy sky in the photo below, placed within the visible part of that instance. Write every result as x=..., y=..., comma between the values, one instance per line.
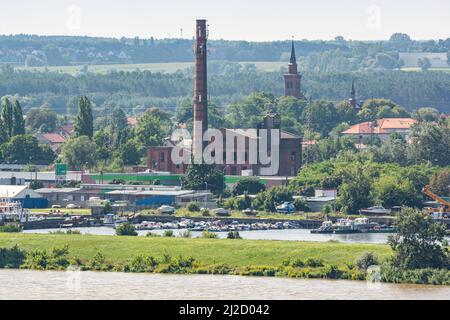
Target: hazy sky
x=229, y=19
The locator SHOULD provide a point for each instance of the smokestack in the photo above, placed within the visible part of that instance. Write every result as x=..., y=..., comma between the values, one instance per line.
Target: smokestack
x=201, y=89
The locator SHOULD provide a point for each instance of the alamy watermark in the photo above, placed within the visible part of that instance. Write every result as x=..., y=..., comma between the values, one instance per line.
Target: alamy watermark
x=373, y=21
x=73, y=21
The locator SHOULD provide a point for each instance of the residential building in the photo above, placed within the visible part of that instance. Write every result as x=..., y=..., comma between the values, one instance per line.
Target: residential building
x=381, y=128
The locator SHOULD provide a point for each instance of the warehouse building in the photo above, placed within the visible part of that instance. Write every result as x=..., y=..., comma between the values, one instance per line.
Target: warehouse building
x=27, y=197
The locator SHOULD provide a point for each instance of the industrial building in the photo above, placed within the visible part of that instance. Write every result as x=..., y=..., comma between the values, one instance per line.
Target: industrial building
x=49, y=179
x=27, y=197
x=142, y=196
x=290, y=150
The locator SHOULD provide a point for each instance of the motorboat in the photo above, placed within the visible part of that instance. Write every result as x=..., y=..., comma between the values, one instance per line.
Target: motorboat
x=326, y=227
x=166, y=209
x=286, y=207
x=375, y=211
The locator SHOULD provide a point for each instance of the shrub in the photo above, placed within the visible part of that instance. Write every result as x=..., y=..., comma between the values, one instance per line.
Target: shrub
x=152, y=235
x=11, y=228
x=366, y=260
x=205, y=213
x=42, y=260
x=99, y=263
x=126, y=229
x=142, y=264
x=301, y=205
x=11, y=257
x=66, y=232
x=297, y=263
x=168, y=234
x=186, y=234
x=394, y=274
x=193, y=207
x=314, y=263
x=250, y=185
x=209, y=235
x=234, y=235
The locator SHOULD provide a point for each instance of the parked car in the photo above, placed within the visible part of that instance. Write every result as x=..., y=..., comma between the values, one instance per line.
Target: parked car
x=72, y=206
x=250, y=212
x=285, y=207
x=55, y=206
x=221, y=212
x=166, y=210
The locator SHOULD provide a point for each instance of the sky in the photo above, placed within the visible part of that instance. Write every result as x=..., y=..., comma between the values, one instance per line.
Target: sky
x=251, y=20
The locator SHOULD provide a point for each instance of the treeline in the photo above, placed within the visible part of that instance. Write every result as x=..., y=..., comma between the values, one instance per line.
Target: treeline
x=34, y=50
x=228, y=83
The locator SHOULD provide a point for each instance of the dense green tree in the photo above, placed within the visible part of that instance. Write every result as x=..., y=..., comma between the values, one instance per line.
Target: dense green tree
x=356, y=192
x=271, y=198
x=390, y=191
x=37, y=117
x=419, y=243
x=118, y=127
x=250, y=112
x=248, y=185
x=374, y=109
x=424, y=64
x=129, y=153
x=440, y=183
x=84, y=125
x=203, y=177
x=149, y=130
x=429, y=144
x=426, y=114
x=7, y=116
x=346, y=112
x=321, y=116
x=80, y=152
x=393, y=150
x=25, y=149
x=18, y=126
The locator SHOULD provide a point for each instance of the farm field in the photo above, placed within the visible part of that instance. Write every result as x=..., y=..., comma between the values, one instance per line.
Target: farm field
x=169, y=67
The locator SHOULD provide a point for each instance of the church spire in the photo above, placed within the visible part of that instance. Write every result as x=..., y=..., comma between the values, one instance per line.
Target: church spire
x=352, y=99
x=293, y=57
x=292, y=80
x=353, y=93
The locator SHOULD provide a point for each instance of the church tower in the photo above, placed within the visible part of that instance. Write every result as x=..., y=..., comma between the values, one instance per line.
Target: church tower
x=293, y=80
x=353, y=102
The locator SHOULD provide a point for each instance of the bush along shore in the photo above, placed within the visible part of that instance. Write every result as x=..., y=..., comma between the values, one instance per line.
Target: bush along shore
x=311, y=268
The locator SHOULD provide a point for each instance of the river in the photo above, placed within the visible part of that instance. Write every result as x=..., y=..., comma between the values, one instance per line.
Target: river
x=24, y=284
x=287, y=234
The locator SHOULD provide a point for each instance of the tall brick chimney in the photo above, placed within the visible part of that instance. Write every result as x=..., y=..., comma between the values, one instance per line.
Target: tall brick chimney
x=201, y=88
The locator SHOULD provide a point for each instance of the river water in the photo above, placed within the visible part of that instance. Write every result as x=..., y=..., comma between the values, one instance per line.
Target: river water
x=288, y=234
x=21, y=284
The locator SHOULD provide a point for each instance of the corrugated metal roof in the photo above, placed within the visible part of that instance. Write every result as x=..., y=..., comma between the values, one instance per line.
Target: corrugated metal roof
x=11, y=191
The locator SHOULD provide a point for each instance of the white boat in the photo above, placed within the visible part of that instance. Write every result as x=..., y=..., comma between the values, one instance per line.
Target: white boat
x=12, y=211
x=375, y=210
x=166, y=209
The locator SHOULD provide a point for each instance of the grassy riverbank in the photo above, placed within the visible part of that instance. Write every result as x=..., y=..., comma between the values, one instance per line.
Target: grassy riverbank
x=205, y=256
x=207, y=251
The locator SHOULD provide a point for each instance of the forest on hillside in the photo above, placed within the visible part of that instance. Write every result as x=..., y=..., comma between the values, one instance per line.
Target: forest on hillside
x=229, y=83
x=338, y=55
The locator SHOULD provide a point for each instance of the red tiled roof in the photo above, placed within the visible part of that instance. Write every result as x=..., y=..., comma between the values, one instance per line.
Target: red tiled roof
x=53, y=137
x=382, y=126
x=132, y=121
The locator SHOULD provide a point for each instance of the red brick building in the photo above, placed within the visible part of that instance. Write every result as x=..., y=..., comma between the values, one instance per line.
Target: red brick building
x=293, y=80
x=241, y=156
